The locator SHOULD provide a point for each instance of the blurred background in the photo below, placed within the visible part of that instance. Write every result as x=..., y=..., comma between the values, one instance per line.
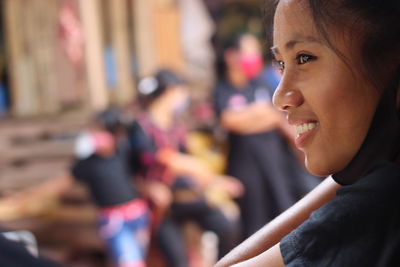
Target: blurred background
x=63, y=60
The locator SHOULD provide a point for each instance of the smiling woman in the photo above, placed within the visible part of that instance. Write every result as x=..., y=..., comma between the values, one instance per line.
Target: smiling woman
x=340, y=65
x=315, y=79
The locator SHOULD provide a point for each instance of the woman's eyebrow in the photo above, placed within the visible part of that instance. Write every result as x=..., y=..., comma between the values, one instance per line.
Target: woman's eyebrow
x=274, y=50
x=294, y=41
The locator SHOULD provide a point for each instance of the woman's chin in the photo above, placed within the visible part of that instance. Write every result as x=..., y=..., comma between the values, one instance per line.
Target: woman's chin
x=319, y=168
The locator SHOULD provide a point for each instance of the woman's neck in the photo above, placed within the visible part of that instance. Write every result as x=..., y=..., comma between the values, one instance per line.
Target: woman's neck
x=382, y=142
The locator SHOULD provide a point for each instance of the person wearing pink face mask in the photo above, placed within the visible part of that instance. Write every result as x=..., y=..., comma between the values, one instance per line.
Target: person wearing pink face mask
x=258, y=153
x=251, y=63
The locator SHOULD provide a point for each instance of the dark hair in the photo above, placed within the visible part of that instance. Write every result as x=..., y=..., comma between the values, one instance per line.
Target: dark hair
x=233, y=42
x=374, y=24
x=152, y=87
x=110, y=119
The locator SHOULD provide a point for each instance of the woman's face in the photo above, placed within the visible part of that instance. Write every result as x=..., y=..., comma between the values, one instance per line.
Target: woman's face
x=326, y=100
x=179, y=98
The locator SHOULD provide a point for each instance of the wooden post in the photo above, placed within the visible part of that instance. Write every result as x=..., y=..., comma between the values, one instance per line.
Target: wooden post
x=31, y=40
x=144, y=37
x=21, y=69
x=94, y=51
x=41, y=33
x=120, y=41
x=168, y=46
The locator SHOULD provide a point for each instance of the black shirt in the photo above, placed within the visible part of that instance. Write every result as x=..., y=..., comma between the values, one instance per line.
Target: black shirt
x=360, y=227
x=15, y=255
x=107, y=179
x=228, y=97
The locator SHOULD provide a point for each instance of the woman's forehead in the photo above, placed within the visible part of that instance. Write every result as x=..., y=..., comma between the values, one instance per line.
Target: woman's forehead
x=294, y=14
x=291, y=6
x=293, y=21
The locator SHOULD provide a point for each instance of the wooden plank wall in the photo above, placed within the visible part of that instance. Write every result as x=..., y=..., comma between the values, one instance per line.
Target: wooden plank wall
x=34, y=54
x=37, y=75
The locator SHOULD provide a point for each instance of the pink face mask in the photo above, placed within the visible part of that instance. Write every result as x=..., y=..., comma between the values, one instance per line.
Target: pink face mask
x=251, y=65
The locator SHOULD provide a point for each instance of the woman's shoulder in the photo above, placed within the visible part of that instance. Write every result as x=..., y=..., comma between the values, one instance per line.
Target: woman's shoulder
x=375, y=194
x=357, y=228
x=369, y=203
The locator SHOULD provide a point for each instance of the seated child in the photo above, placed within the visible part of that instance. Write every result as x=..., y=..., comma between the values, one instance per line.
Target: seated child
x=123, y=215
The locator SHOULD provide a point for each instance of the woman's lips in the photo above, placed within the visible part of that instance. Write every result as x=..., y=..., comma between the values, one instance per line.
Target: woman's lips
x=304, y=132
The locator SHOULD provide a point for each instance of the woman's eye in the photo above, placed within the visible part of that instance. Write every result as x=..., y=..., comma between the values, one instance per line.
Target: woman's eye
x=304, y=58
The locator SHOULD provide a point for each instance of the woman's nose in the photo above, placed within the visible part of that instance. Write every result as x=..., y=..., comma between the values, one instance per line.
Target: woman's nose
x=286, y=98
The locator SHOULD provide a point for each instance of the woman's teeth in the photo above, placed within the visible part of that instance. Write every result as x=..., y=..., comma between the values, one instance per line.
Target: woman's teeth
x=302, y=128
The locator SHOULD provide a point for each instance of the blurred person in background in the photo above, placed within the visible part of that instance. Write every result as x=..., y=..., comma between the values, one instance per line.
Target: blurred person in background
x=259, y=155
x=174, y=181
x=123, y=215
